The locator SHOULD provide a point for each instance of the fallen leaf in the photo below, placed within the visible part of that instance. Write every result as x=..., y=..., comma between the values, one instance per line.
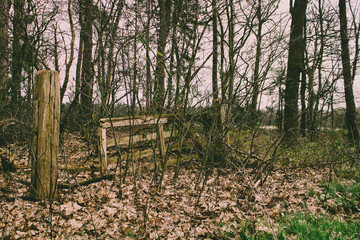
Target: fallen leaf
x=74, y=223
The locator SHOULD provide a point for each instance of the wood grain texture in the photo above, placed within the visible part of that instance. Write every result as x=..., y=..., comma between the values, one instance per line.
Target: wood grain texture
x=45, y=144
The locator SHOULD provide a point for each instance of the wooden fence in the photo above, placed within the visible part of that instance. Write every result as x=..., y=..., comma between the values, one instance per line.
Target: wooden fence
x=106, y=123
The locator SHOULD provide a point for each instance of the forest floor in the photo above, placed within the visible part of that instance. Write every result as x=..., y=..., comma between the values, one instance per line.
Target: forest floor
x=230, y=203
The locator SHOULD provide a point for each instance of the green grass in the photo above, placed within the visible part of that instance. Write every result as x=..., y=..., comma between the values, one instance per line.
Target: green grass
x=329, y=147
x=346, y=197
x=347, y=171
x=310, y=226
x=305, y=226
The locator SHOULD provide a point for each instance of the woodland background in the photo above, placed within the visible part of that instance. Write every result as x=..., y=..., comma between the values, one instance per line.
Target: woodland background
x=265, y=140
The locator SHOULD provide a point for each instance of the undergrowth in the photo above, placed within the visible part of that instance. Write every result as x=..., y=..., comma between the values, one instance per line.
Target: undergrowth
x=341, y=197
x=338, y=195
x=306, y=226
x=311, y=226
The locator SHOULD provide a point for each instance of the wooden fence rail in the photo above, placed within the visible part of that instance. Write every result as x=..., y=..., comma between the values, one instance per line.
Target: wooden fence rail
x=106, y=123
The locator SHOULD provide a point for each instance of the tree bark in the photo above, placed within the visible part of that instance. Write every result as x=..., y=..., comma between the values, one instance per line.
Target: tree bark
x=314, y=125
x=174, y=46
x=79, y=63
x=216, y=132
x=4, y=46
x=56, y=53
x=135, y=89
x=148, y=88
x=296, y=49
x=215, y=87
x=87, y=68
x=231, y=72
x=165, y=10
x=303, y=120
x=351, y=121
x=256, y=76
x=71, y=58
x=111, y=60
x=16, y=66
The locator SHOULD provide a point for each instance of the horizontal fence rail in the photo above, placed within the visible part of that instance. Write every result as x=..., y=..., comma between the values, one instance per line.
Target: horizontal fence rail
x=106, y=123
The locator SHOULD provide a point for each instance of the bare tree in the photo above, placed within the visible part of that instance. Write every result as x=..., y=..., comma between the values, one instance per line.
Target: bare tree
x=256, y=80
x=174, y=55
x=87, y=67
x=231, y=71
x=4, y=45
x=351, y=121
x=313, y=62
x=165, y=12
x=215, y=87
x=148, y=84
x=107, y=27
x=71, y=57
x=16, y=66
x=295, y=63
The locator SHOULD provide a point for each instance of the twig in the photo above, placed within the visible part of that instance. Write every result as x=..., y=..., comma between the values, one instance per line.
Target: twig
x=74, y=185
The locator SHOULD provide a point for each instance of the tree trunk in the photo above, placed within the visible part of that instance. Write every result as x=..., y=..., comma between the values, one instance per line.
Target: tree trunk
x=223, y=78
x=111, y=60
x=216, y=132
x=87, y=67
x=100, y=55
x=314, y=119
x=45, y=143
x=295, y=63
x=4, y=46
x=71, y=58
x=79, y=64
x=174, y=46
x=215, y=87
x=135, y=72
x=16, y=67
x=148, y=87
x=303, y=120
x=351, y=121
x=56, y=54
x=256, y=78
x=231, y=73
x=165, y=10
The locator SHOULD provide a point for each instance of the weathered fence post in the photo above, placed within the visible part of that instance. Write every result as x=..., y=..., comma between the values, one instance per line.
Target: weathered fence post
x=161, y=141
x=45, y=142
x=103, y=150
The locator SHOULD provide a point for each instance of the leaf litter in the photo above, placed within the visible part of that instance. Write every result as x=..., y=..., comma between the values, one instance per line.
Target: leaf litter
x=182, y=210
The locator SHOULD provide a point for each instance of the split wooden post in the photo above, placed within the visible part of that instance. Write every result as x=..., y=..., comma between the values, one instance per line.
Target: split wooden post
x=45, y=143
